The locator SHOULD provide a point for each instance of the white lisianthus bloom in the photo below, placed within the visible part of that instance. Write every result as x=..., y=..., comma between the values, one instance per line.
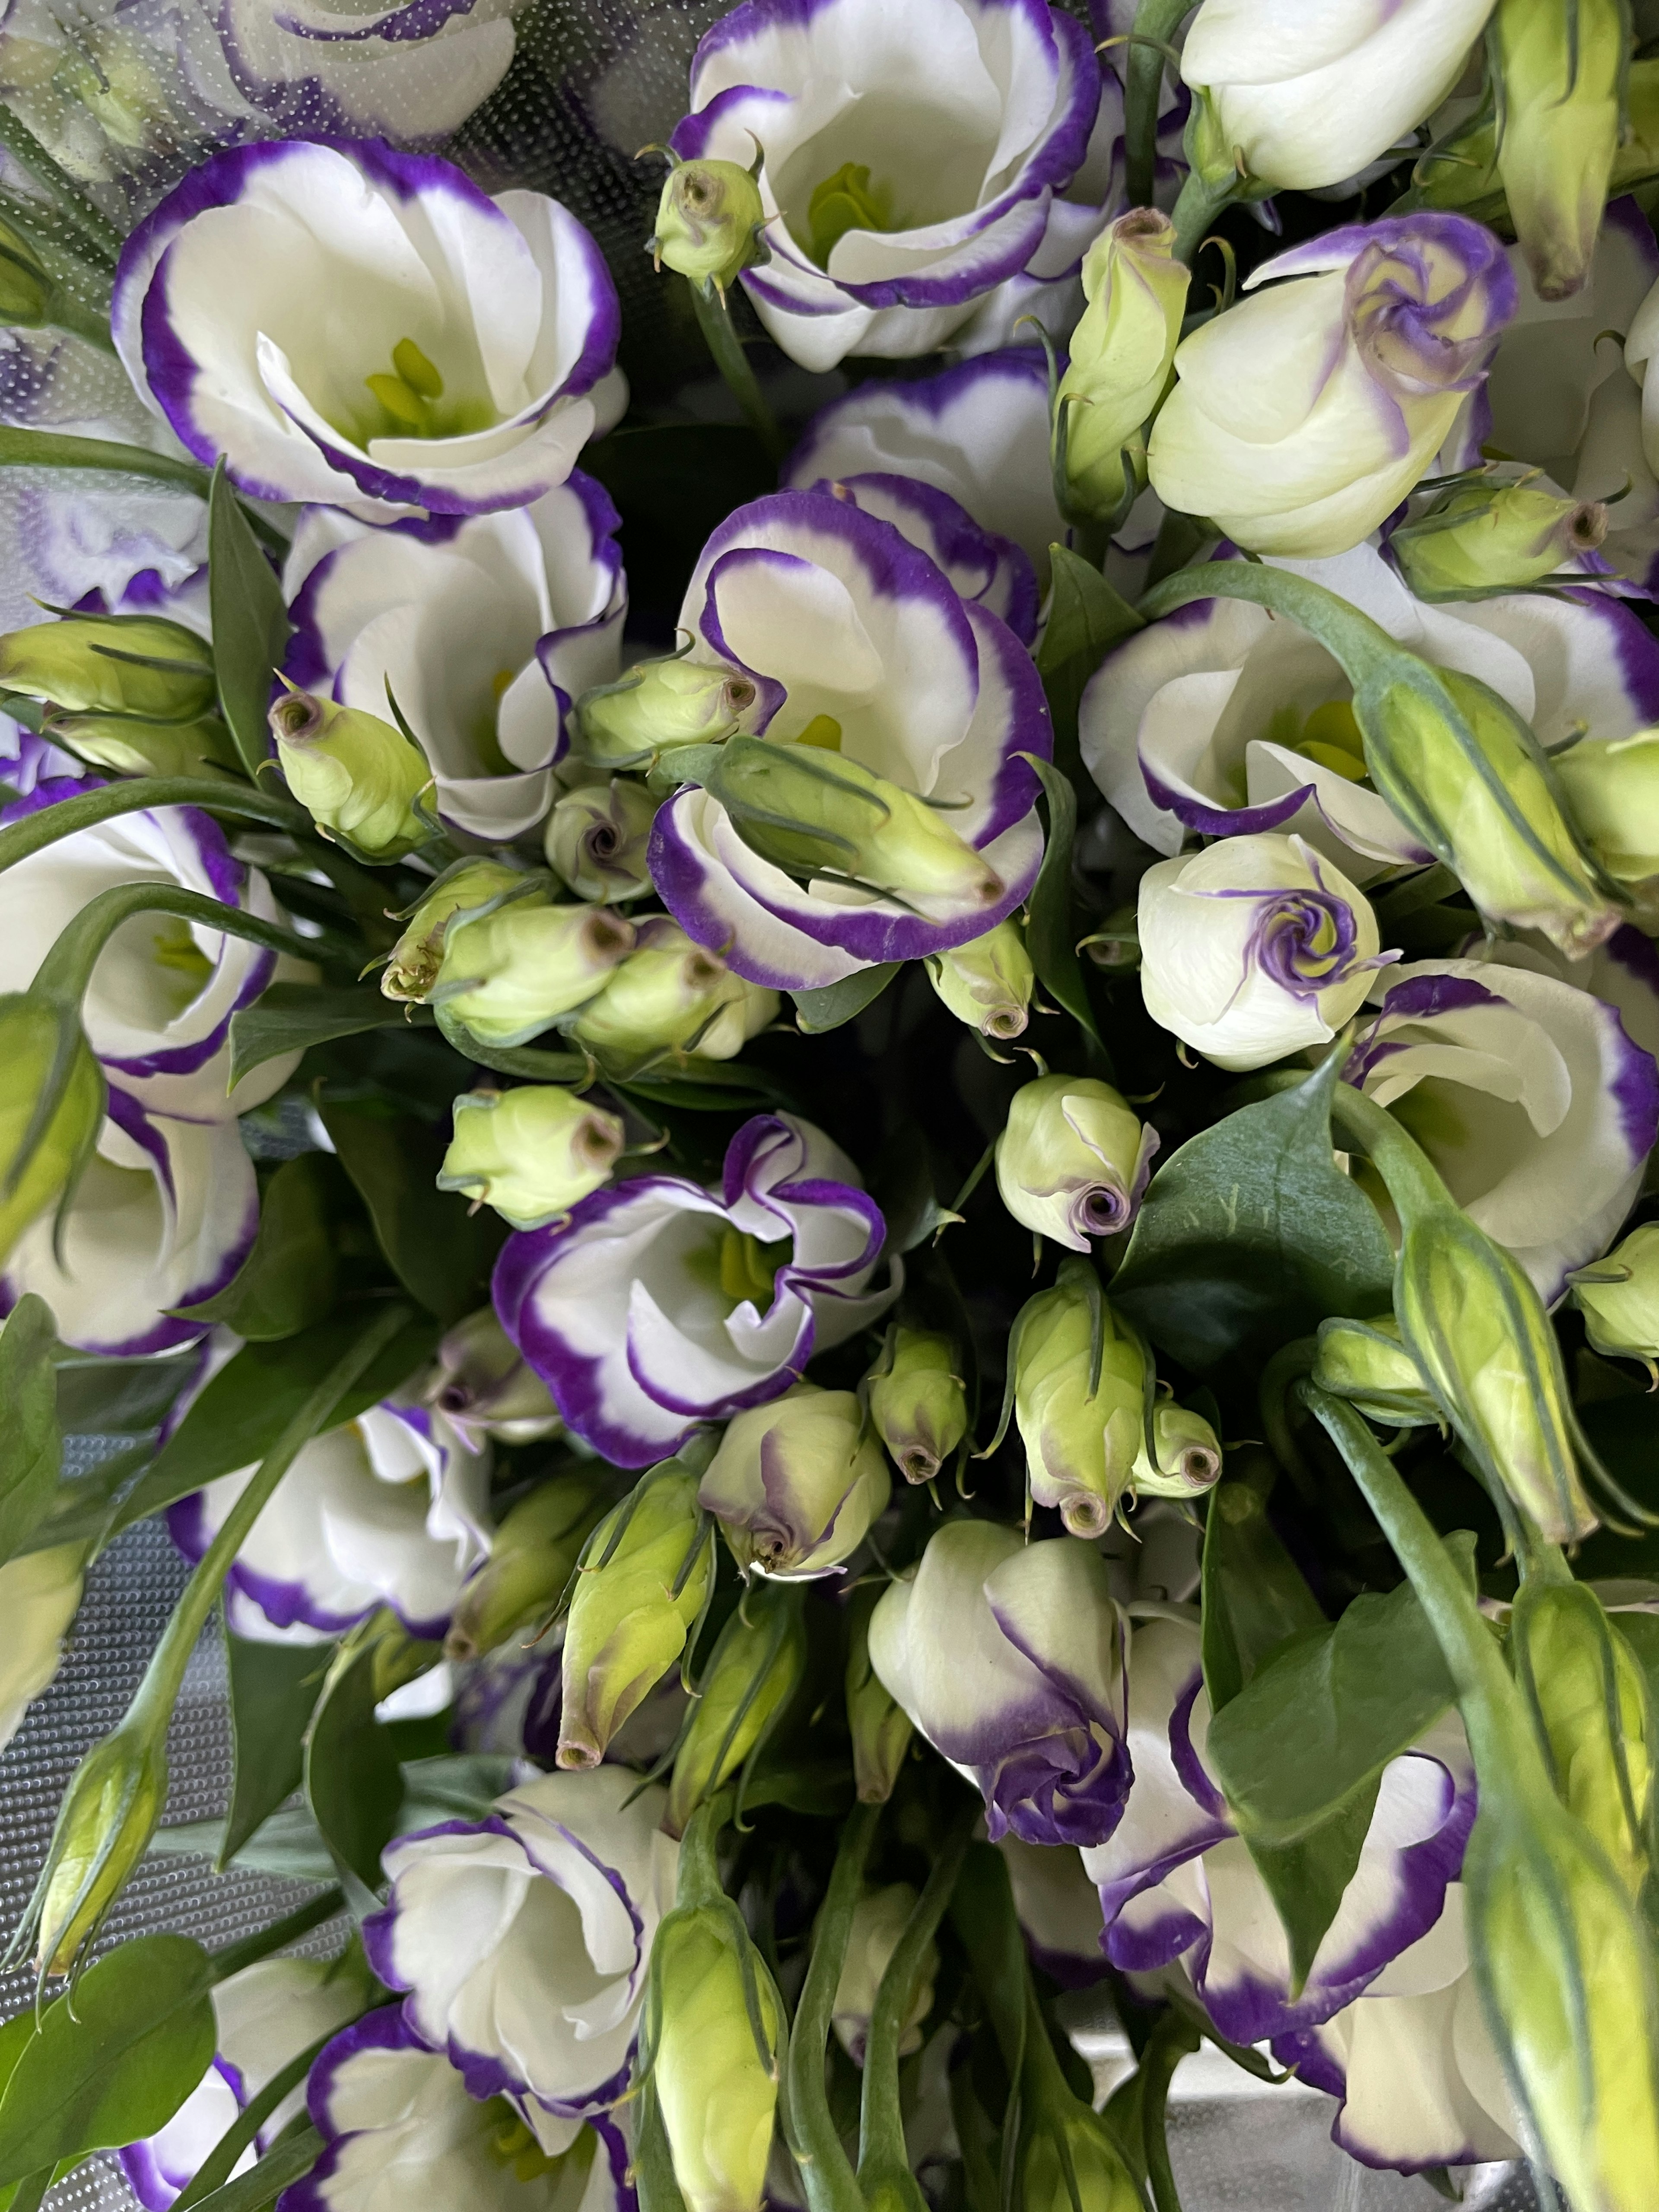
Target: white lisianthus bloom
x=409, y=71
x=1058, y=1910
x=1302, y=416
x=1254, y=948
x=464, y=377
x=913, y=159
x=1310, y=91
x=40, y=1592
x=483, y=629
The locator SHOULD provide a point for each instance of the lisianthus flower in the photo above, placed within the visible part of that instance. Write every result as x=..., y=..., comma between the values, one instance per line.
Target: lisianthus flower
x=410, y=70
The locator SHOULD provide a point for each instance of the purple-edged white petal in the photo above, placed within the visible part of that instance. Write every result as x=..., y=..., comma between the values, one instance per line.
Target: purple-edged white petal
x=411, y=71
x=621, y=1313
x=218, y=314
x=980, y=566
x=1058, y=1910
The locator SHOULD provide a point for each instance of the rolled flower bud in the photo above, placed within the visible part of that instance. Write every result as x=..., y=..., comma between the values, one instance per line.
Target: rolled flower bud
x=660, y=704
x=112, y=665
x=795, y=1484
x=708, y=224
x=108, y=1815
x=880, y=1728
x=1121, y=352
x=466, y=888
x=988, y=981
x=530, y=1152
x=1186, y=1458
x=1610, y=786
x=1494, y=537
x=132, y=744
x=755, y=1670
x=878, y=1919
x=596, y=840
x=1081, y=1445
x=917, y=1402
x=1561, y=73
x=37, y=1164
x=670, y=996
x=633, y=1610
x=1073, y=2165
x=1618, y=1298
x=1254, y=948
x=713, y=2024
x=510, y=974
x=1367, y=1363
x=485, y=1387
x=1072, y=1160
x=356, y=776
x=532, y=1556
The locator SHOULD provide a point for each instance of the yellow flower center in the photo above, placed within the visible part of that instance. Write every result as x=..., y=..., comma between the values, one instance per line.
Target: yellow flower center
x=847, y=201
x=411, y=401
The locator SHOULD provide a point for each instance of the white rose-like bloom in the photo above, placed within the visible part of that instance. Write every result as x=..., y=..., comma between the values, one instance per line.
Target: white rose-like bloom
x=1303, y=415
x=345, y=324
x=1254, y=948
x=1310, y=91
x=38, y=1594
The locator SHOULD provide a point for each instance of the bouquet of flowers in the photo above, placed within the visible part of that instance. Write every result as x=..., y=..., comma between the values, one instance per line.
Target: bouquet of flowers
x=841, y=1063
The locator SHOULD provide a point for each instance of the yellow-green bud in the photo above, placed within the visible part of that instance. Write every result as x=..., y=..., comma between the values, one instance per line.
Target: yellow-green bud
x=1366, y=1362
x=796, y=1483
x=878, y=1919
x=112, y=665
x=756, y=1669
x=483, y=1383
x=988, y=982
x=1103, y=2181
x=1618, y=1298
x=597, y=838
x=708, y=223
x=917, y=1402
x=36, y=1167
x=660, y=704
x=26, y=292
x=109, y=1813
x=509, y=975
x=1612, y=789
x=880, y=1728
x=716, y=2085
x=1189, y=1455
x=1081, y=1445
x=631, y=1613
x=1494, y=537
x=1074, y=1159
x=670, y=996
x=530, y=1152
x=466, y=888
x=1561, y=70
x=128, y=744
x=356, y=776
x=531, y=1561
x=1120, y=354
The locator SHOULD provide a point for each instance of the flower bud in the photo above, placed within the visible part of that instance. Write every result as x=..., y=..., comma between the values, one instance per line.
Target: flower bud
x=1366, y=1362
x=1120, y=353
x=1074, y=2148
x=128, y=744
x=1560, y=73
x=756, y=1669
x=1494, y=536
x=468, y=888
x=112, y=665
x=671, y=997
x=1081, y=1443
x=485, y=1387
x=37, y=1165
x=597, y=838
x=108, y=1815
x=658, y=705
x=530, y=1152
x=716, y=2077
x=1189, y=1455
x=509, y=975
x=917, y=1402
x=357, y=777
x=796, y=1484
x=1618, y=1298
x=880, y=1728
x=26, y=290
x=1072, y=1160
x=645, y=1577
x=878, y=1919
x=531, y=1558
x=708, y=224
x=1610, y=786
x=987, y=983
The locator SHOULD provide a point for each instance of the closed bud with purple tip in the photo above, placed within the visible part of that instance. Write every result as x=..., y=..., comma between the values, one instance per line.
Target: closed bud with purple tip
x=1073, y=1160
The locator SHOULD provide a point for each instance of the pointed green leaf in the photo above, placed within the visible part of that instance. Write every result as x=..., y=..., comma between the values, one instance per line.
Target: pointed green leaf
x=289, y=1017
x=30, y=1446
x=1086, y=617
x=352, y=1780
x=827, y=1007
x=440, y=1251
x=1051, y=939
x=286, y=1282
x=250, y=622
x=274, y=1689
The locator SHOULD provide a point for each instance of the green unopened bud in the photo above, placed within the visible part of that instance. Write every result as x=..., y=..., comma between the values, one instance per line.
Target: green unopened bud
x=1073, y=2165
x=531, y=1559
x=988, y=982
x=713, y=2024
x=1081, y=1443
x=1494, y=537
x=128, y=744
x=358, y=778
x=111, y=665
x=1120, y=353
x=1074, y=1159
x=1186, y=1458
x=1366, y=1362
x=26, y=292
x=660, y=704
x=1561, y=72
x=880, y=1728
x=756, y=1669
x=878, y=1919
x=796, y=1483
x=813, y=811
x=509, y=975
x=1610, y=786
x=671, y=997
x=707, y=223
x=38, y=1163
x=470, y=887
x=109, y=1813
x=917, y=1402
x=597, y=839
x=483, y=1384
x=530, y=1152
x=632, y=1609
x=1618, y=1298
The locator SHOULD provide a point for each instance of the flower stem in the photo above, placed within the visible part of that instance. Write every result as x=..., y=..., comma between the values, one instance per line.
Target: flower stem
x=1196, y=210
x=715, y=321
x=825, y=2169
x=138, y=795
x=1156, y=23
x=66, y=972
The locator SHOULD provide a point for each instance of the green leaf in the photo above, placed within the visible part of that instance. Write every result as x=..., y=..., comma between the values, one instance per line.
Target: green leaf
x=140, y=2038
x=289, y=1844
x=286, y=1282
x=1251, y=1234
x=439, y=1251
x=827, y=1007
x=905, y=1190
x=1086, y=617
x=1051, y=938
x=30, y=1446
x=251, y=626
x=1254, y=1595
x=56, y=449
x=274, y=1689
x=352, y=1781
x=116, y=1397
x=983, y=1915
x=290, y=1017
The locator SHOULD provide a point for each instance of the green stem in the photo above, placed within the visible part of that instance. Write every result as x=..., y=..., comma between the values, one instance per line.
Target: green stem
x=56, y=449
x=66, y=972
x=825, y=2169
x=699, y=1881
x=78, y=211
x=1413, y=1184
x=883, y=2161
x=81, y=322
x=217, y=2166
x=138, y=795
x=1156, y=24
x=1170, y=2041
x=715, y=321
x=1196, y=210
